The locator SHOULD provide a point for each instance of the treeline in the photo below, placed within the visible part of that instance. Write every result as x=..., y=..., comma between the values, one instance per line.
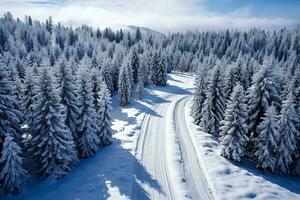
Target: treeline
x=252, y=104
x=56, y=84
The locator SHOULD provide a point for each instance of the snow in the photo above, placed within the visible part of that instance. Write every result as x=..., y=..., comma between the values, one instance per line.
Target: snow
x=119, y=171
x=163, y=149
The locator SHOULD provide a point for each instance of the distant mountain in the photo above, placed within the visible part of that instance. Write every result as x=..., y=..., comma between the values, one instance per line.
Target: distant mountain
x=132, y=29
x=45, y=1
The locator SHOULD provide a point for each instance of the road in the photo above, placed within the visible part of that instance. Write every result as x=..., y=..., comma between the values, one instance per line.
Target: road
x=192, y=169
x=152, y=151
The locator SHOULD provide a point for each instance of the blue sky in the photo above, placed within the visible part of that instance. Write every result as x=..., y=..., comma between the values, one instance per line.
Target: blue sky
x=162, y=15
x=259, y=8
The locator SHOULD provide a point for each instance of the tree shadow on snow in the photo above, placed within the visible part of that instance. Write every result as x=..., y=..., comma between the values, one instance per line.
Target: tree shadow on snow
x=181, y=74
x=175, y=80
x=151, y=98
x=145, y=109
x=288, y=182
x=173, y=89
x=112, y=169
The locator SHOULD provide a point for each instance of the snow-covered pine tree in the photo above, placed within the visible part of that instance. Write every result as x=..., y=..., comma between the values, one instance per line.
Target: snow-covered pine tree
x=214, y=104
x=145, y=67
x=97, y=80
x=266, y=143
x=233, y=127
x=12, y=173
x=16, y=91
x=69, y=98
x=107, y=76
x=15, y=80
x=198, y=98
x=59, y=72
x=124, y=91
x=103, y=116
x=287, y=139
x=141, y=82
x=294, y=87
x=29, y=90
x=233, y=77
x=20, y=68
x=134, y=63
x=159, y=70
x=261, y=95
x=88, y=141
x=116, y=65
x=10, y=114
x=53, y=148
x=296, y=81
x=138, y=35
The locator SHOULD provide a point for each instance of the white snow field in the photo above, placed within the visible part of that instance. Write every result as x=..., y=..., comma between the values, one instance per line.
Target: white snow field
x=157, y=153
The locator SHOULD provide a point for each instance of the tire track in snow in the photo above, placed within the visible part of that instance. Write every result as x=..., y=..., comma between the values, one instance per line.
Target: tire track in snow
x=151, y=153
x=154, y=154
x=194, y=176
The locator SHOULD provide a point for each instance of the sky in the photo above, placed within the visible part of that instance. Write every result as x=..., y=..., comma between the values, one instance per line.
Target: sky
x=161, y=15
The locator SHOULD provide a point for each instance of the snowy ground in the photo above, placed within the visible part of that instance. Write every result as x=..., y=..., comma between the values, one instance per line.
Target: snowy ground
x=158, y=154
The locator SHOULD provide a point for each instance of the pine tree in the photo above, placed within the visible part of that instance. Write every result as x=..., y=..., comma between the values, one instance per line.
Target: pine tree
x=261, y=95
x=138, y=35
x=10, y=114
x=134, y=63
x=11, y=171
x=266, y=144
x=288, y=132
x=198, y=98
x=145, y=68
x=116, y=65
x=16, y=81
x=88, y=140
x=124, y=91
x=214, y=104
x=294, y=87
x=29, y=90
x=103, y=116
x=16, y=89
x=159, y=76
x=12, y=174
x=53, y=148
x=296, y=82
x=107, y=76
x=97, y=80
x=233, y=128
x=140, y=83
x=69, y=98
x=232, y=78
x=20, y=68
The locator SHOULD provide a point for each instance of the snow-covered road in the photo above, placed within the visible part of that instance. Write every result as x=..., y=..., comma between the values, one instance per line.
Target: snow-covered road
x=167, y=152
x=151, y=152
x=193, y=173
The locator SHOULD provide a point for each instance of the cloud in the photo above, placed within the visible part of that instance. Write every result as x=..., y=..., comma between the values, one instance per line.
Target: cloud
x=161, y=15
